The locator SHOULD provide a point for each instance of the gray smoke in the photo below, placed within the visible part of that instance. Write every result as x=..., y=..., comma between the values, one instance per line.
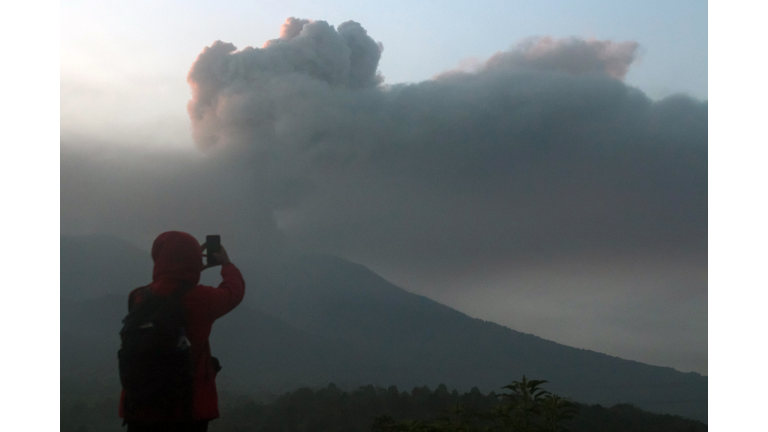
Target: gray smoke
x=542, y=150
x=574, y=56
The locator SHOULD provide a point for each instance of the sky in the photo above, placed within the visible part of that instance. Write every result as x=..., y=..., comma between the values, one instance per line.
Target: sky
x=542, y=165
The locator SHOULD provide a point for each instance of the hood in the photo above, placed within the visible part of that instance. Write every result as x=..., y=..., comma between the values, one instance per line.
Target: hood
x=178, y=258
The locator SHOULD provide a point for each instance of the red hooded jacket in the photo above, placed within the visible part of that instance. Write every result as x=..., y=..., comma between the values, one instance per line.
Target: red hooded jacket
x=178, y=261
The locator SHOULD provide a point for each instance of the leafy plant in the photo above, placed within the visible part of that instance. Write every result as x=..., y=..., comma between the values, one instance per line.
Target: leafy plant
x=525, y=407
x=521, y=407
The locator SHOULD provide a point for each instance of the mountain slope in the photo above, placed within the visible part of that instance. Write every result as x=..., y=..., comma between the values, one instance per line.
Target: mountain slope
x=417, y=341
x=312, y=319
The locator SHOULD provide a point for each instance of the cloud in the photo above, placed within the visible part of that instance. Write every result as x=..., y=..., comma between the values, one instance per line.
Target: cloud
x=237, y=94
x=542, y=150
x=574, y=56
x=291, y=28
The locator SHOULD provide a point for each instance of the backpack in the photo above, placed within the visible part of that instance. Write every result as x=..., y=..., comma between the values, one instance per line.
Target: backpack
x=155, y=359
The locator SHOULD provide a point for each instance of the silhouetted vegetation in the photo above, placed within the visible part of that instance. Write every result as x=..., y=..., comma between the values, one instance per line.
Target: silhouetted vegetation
x=521, y=406
x=524, y=408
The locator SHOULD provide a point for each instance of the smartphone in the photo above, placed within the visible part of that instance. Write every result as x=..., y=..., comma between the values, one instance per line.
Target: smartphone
x=212, y=246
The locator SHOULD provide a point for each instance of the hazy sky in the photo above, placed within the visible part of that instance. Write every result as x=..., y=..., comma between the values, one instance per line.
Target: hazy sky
x=542, y=165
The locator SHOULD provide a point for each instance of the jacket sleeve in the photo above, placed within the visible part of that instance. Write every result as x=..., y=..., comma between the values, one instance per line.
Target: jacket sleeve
x=219, y=301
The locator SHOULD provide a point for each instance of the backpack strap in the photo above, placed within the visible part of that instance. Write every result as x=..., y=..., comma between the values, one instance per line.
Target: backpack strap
x=179, y=294
x=176, y=296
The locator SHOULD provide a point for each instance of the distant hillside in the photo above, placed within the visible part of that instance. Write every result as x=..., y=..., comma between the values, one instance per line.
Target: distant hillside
x=417, y=341
x=312, y=319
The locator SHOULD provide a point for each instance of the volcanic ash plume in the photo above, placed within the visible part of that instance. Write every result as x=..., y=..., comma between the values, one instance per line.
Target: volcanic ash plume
x=257, y=94
x=574, y=56
x=544, y=142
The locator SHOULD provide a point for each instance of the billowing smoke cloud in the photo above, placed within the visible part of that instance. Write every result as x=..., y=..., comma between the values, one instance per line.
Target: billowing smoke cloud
x=542, y=150
x=238, y=96
x=573, y=55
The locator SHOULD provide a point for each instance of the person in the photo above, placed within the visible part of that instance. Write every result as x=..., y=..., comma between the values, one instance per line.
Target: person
x=178, y=262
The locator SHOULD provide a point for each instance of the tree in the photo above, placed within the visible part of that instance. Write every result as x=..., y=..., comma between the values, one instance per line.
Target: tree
x=525, y=407
x=521, y=407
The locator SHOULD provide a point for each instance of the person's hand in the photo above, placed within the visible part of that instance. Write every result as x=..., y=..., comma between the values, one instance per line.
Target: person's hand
x=221, y=257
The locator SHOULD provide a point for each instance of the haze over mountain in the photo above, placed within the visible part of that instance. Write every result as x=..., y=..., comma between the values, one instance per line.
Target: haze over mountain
x=314, y=319
x=534, y=188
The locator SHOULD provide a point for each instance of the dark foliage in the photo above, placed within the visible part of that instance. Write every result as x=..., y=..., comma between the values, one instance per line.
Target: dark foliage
x=379, y=409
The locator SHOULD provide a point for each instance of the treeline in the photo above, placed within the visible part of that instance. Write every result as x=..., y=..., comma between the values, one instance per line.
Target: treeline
x=522, y=406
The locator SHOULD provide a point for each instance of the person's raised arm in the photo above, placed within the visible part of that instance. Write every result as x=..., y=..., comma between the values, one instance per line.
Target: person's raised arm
x=231, y=290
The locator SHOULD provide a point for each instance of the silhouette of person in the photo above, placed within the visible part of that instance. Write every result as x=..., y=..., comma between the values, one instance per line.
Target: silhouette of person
x=178, y=262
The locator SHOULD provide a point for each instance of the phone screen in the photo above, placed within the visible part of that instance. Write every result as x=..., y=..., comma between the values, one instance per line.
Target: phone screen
x=212, y=245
